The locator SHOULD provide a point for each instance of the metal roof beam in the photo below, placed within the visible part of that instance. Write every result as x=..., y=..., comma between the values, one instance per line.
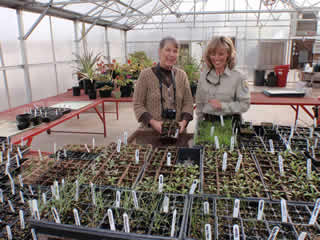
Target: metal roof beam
x=127, y=6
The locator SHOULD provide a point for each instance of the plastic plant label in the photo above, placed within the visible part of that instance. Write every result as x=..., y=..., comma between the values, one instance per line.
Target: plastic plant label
x=260, y=210
x=20, y=181
x=316, y=143
x=216, y=142
x=1, y=196
x=76, y=197
x=55, y=215
x=118, y=199
x=291, y=132
x=86, y=146
x=65, y=152
x=56, y=189
x=126, y=223
x=76, y=217
x=206, y=210
x=314, y=122
x=236, y=233
x=313, y=152
x=11, y=147
x=34, y=235
x=271, y=146
x=93, y=143
x=169, y=159
x=239, y=162
x=13, y=190
x=54, y=148
x=212, y=131
x=280, y=160
x=165, y=204
x=119, y=145
x=193, y=187
x=111, y=220
x=236, y=208
x=40, y=155
x=19, y=152
x=1, y=157
x=6, y=172
x=173, y=223
x=232, y=143
x=35, y=209
x=93, y=194
x=30, y=190
x=224, y=162
x=160, y=189
x=137, y=156
x=44, y=198
x=302, y=236
x=315, y=212
x=11, y=206
x=284, y=212
x=308, y=144
x=310, y=132
x=21, y=197
x=207, y=229
x=309, y=168
x=221, y=121
x=9, y=233
x=22, y=223
x=8, y=158
x=125, y=138
x=58, y=156
x=135, y=199
x=274, y=233
x=56, y=111
x=62, y=183
x=17, y=160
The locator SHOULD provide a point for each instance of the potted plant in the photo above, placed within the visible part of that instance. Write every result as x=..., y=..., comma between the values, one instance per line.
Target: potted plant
x=105, y=91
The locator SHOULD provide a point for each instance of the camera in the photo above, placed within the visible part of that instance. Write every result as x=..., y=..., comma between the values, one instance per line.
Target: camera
x=169, y=114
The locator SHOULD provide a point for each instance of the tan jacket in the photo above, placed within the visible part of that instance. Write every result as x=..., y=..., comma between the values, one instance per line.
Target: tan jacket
x=232, y=91
x=146, y=96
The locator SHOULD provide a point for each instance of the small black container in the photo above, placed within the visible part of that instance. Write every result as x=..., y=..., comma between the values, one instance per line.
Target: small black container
x=126, y=90
x=36, y=120
x=23, y=125
x=272, y=80
x=105, y=93
x=76, y=91
x=92, y=94
x=24, y=117
x=259, y=77
x=189, y=154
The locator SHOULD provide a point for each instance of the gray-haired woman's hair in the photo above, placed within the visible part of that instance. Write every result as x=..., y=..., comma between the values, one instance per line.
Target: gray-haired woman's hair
x=217, y=42
x=168, y=39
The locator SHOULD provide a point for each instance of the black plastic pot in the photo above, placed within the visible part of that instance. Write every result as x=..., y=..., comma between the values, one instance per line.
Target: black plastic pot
x=87, y=86
x=259, y=77
x=76, y=91
x=189, y=154
x=23, y=125
x=92, y=94
x=126, y=90
x=81, y=84
x=105, y=93
x=272, y=80
x=36, y=120
x=24, y=117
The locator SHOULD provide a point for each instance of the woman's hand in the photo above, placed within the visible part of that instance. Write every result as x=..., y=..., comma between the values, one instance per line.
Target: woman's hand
x=215, y=104
x=156, y=125
x=182, y=125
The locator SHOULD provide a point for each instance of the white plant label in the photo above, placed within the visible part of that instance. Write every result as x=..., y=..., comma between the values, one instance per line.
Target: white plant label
x=284, y=212
x=169, y=159
x=236, y=208
x=216, y=142
x=65, y=152
x=211, y=131
x=239, y=162
x=119, y=145
x=21, y=197
x=316, y=143
x=11, y=206
x=274, y=233
x=111, y=220
x=137, y=156
x=308, y=144
x=206, y=209
x=76, y=197
x=280, y=160
x=271, y=146
x=62, y=183
x=93, y=194
x=313, y=152
x=13, y=190
x=8, y=158
x=118, y=194
x=17, y=160
x=165, y=204
x=291, y=132
x=11, y=147
x=58, y=156
x=260, y=210
x=55, y=215
x=126, y=223
x=20, y=181
x=302, y=236
x=56, y=111
x=30, y=189
x=7, y=168
x=34, y=235
x=76, y=217
x=22, y=223
x=35, y=209
x=20, y=154
x=44, y=198
x=40, y=155
x=314, y=122
x=56, y=189
x=236, y=233
x=125, y=138
x=193, y=187
x=232, y=143
x=135, y=199
x=173, y=223
x=86, y=146
x=309, y=168
x=1, y=157
x=224, y=161
x=221, y=121
x=315, y=212
x=93, y=143
x=54, y=148
x=207, y=229
x=1, y=196
x=310, y=132
x=9, y=233
x=160, y=188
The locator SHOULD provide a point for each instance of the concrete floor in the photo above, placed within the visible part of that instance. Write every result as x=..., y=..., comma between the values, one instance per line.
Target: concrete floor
x=90, y=122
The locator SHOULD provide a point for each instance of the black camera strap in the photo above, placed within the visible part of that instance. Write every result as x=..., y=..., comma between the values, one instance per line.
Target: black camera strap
x=160, y=76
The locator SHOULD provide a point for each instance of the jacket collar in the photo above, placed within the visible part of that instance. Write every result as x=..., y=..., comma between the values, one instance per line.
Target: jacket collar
x=212, y=77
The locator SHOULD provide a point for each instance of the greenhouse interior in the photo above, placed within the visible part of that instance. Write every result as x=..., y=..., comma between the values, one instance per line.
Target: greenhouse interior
x=159, y=119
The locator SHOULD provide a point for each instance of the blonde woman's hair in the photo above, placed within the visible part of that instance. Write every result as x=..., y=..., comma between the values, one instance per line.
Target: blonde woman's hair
x=217, y=42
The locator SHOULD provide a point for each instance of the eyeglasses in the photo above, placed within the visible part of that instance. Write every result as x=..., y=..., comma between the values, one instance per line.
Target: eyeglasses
x=215, y=84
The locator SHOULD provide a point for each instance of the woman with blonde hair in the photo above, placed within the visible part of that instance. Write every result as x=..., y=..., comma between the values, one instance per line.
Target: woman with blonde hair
x=222, y=90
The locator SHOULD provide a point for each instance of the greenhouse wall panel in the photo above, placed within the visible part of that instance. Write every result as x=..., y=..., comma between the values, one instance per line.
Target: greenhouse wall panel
x=3, y=97
x=65, y=77
x=17, y=89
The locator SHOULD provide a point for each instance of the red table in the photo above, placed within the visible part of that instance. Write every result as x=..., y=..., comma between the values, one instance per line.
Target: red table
x=258, y=98
x=29, y=134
